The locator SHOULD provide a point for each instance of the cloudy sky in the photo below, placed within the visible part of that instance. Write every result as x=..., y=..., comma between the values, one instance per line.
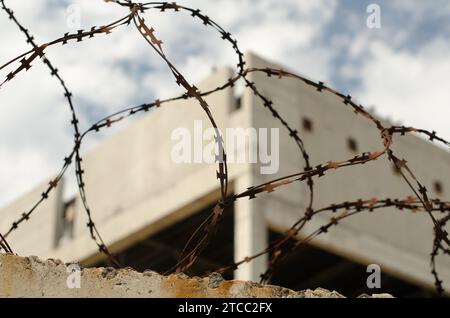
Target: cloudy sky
x=401, y=69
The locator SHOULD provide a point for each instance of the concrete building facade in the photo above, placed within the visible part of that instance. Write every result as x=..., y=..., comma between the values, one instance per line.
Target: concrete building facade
x=135, y=189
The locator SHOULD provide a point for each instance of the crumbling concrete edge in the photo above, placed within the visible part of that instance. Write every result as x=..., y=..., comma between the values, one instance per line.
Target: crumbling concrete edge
x=32, y=277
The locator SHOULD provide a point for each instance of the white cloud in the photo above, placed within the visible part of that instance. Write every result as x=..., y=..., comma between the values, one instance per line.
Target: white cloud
x=410, y=87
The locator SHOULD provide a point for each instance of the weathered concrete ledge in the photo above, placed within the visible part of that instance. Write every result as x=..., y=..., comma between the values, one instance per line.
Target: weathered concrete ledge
x=32, y=277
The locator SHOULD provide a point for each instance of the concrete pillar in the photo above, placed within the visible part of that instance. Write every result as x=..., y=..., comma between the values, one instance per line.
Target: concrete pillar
x=250, y=234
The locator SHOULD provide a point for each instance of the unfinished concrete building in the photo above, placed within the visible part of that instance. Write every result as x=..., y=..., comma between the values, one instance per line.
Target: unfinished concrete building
x=146, y=206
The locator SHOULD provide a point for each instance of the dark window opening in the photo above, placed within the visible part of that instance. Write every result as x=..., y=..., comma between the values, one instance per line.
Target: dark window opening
x=309, y=267
x=307, y=124
x=65, y=224
x=438, y=187
x=352, y=144
x=237, y=103
x=161, y=251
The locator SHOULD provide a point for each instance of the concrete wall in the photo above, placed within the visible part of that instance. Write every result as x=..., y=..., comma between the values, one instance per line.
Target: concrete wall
x=32, y=277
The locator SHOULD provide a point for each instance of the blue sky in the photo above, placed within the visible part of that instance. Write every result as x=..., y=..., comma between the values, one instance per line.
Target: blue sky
x=401, y=69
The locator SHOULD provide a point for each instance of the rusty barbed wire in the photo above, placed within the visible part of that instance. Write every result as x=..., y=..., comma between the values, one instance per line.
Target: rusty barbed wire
x=199, y=240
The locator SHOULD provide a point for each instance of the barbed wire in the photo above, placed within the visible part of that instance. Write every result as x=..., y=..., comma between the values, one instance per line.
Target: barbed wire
x=200, y=238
